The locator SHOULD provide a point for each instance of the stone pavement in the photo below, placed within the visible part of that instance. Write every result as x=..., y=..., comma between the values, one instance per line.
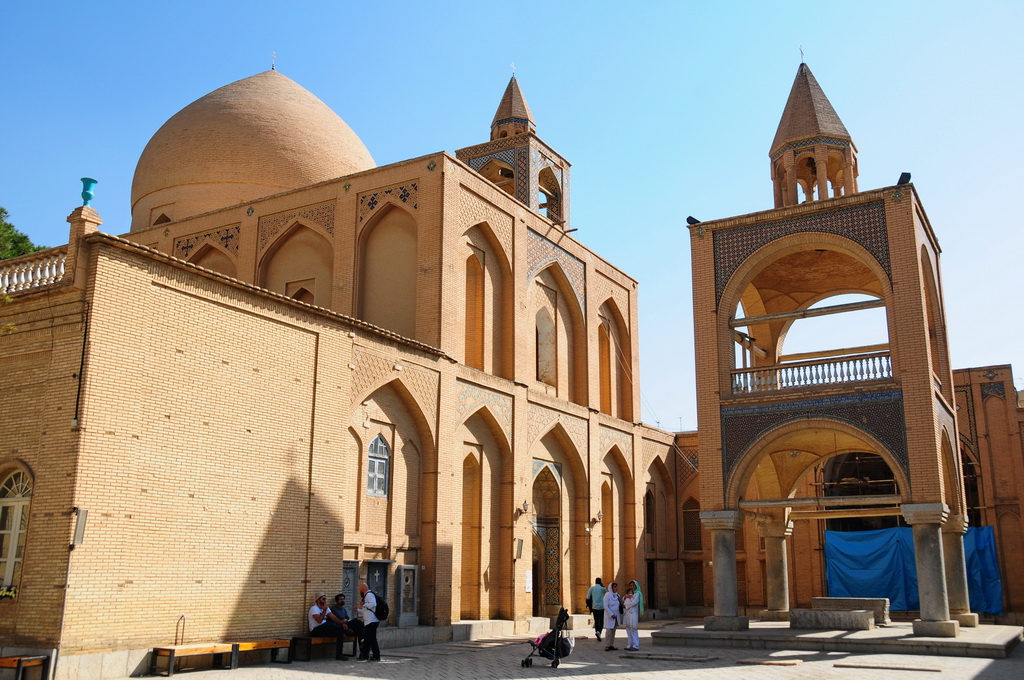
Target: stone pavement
x=501, y=658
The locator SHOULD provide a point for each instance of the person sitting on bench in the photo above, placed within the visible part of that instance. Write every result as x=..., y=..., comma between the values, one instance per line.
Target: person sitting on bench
x=321, y=626
x=339, y=614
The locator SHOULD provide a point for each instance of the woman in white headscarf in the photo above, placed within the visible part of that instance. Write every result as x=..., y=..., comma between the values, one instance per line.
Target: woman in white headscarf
x=633, y=606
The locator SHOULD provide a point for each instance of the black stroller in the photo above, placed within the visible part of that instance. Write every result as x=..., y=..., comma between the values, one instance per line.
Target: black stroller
x=555, y=645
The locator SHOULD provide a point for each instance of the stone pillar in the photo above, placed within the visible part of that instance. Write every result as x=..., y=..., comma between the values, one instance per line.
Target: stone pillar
x=927, y=520
x=849, y=178
x=776, y=565
x=84, y=221
x=723, y=525
x=821, y=170
x=777, y=180
x=789, y=159
x=956, y=571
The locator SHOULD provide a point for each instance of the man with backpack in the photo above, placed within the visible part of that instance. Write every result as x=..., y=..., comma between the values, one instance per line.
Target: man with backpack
x=371, y=613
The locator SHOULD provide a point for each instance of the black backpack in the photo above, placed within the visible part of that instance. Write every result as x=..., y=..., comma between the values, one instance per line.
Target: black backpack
x=382, y=611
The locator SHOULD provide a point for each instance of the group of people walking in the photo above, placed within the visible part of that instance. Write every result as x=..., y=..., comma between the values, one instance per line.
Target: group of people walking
x=335, y=621
x=612, y=611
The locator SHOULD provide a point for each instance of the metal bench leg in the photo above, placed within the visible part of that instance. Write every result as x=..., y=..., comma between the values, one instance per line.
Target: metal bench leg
x=170, y=664
x=234, y=656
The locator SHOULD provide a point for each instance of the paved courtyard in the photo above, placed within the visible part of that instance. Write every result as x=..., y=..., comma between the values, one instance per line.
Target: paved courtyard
x=501, y=658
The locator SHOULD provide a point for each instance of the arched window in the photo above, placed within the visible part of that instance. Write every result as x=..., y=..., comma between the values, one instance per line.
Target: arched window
x=377, y=467
x=15, y=493
x=547, y=348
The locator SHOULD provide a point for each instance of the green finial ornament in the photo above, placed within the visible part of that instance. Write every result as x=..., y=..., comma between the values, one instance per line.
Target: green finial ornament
x=88, y=184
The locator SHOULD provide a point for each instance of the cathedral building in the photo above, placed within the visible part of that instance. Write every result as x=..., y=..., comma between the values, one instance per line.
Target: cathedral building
x=298, y=371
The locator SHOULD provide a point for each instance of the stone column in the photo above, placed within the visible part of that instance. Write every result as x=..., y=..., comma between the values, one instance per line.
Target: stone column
x=723, y=525
x=927, y=520
x=821, y=170
x=789, y=160
x=776, y=565
x=956, y=571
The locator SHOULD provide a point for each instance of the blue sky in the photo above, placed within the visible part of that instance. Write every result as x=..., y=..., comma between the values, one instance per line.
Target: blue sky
x=665, y=109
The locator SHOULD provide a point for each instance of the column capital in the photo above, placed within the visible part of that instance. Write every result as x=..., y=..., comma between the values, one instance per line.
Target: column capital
x=731, y=520
x=956, y=524
x=925, y=513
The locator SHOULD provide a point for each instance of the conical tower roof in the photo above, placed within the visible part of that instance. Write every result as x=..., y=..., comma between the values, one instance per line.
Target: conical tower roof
x=808, y=113
x=513, y=105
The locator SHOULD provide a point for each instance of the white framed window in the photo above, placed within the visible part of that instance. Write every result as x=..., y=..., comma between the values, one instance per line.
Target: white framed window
x=378, y=465
x=15, y=493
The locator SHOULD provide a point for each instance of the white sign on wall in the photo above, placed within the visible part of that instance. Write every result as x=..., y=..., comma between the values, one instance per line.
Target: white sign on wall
x=529, y=580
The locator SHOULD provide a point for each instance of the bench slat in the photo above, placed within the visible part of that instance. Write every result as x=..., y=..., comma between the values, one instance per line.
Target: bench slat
x=192, y=650
x=26, y=661
x=263, y=644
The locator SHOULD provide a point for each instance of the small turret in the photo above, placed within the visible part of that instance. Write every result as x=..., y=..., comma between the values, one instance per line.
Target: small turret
x=812, y=148
x=513, y=116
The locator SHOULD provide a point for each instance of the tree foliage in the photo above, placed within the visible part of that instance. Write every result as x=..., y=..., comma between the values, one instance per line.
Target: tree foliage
x=12, y=242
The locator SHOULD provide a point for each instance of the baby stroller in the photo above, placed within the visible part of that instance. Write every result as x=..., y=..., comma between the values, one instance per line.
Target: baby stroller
x=555, y=645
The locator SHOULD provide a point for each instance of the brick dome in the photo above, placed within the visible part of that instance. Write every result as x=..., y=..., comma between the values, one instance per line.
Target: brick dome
x=255, y=137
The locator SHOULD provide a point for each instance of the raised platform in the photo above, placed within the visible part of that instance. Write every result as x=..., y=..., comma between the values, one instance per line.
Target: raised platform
x=991, y=642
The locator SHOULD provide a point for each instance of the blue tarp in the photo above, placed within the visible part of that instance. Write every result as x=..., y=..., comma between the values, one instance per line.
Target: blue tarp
x=881, y=564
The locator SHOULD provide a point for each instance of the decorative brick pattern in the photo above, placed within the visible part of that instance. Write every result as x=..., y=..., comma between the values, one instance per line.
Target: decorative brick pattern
x=226, y=238
x=372, y=371
x=880, y=414
x=550, y=533
x=993, y=389
x=610, y=437
x=526, y=190
x=406, y=195
x=321, y=214
x=500, y=406
x=507, y=156
x=801, y=144
x=863, y=224
x=541, y=252
x=473, y=212
x=965, y=414
x=540, y=420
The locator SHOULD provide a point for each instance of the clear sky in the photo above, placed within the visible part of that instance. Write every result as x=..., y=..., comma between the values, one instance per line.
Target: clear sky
x=665, y=109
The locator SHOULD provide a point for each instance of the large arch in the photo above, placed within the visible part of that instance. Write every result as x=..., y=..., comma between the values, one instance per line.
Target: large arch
x=299, y=264
x=486, y=501
x=552, y=291
x=618, y=524
x=488, y=313
x=615, y=362
x=555, y=452
x=388, y=271
x=215, y=259
x=778, y=460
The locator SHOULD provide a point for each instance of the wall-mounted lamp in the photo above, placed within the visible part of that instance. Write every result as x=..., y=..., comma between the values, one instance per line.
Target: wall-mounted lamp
x=600, y=515
x=520, y=511
x=594, y=520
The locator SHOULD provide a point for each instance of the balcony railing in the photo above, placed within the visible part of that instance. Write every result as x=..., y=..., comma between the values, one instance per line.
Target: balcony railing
x=850, y=369
x=32, y=271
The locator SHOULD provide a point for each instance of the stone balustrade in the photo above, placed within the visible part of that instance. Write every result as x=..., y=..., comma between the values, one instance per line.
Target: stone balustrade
x=858, y=368
x=34, y=270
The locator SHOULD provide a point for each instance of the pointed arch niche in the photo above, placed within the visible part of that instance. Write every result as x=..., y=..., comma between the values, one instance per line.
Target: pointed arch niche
x=213, y=258
x=488, y=309
x=388, y=271
x=617, y=530
x=487, y=484
x=559, y=348
x=615, y=364
x=300, y=265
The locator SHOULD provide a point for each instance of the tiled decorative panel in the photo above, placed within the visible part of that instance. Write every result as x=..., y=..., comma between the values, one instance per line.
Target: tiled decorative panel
x=863, y=224
x=540, y=252
x=321, y=214
x=993, y=389
x=500, y=406
x=880, y=414
x=406, y=195
x=226, y=238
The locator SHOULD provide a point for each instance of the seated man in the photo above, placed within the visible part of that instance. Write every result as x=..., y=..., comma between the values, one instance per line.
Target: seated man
x=339, y=614
x=321, y=626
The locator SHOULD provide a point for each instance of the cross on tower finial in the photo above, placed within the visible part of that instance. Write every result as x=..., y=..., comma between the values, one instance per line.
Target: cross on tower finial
x=273, y=61
x=801, y=53
x=513, y=65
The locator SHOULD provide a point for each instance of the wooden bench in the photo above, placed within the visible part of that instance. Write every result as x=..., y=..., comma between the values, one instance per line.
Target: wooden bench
x=878, y=605
x=275, y=646
x=302, y=646
x=174, y=652
x=20, y=663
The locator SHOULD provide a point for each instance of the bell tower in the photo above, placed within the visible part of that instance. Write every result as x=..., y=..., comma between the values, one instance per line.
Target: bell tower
x=813, y=156
x=772, y=414
x=519, y=163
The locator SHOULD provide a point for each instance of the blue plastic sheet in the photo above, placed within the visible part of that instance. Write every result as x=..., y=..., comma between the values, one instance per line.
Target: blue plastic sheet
x=881, y=564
